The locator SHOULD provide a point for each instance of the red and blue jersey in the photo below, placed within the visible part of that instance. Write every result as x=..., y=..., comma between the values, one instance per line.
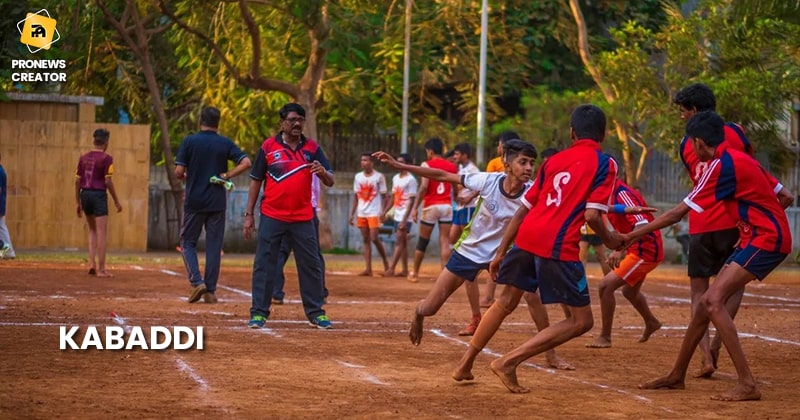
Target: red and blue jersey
x=650, y=247
x=715, y=218
x=287, y=177
x=578, y=178
x=748, y=193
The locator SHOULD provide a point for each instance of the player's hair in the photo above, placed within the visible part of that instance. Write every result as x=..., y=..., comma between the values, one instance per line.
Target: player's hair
x=506, y=136
x=707, y=127
x=367, y=154
x=435, y=145
x=101, y=136
x=588, y=122
x=464, y=149
x=549, y=152
x=449, y=154
x=696, y=96
x=407, y=158
x=209, y=117
x=515, y=147
x=291, y=107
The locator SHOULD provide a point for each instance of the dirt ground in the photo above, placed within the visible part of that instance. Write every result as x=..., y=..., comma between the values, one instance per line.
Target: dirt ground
x=365, y=367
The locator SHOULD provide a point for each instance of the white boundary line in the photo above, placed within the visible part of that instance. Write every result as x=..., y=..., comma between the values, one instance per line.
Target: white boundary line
x=363, y=375
x=752, y=295
x=188, y=370
x=489, y=352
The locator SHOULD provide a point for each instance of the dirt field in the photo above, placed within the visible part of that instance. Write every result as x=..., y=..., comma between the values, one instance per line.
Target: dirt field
x=365, y=367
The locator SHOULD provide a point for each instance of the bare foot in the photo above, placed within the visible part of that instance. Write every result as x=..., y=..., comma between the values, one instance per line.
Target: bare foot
x=706, y=371
x=462, y=375
x=556, y=362
x=487, y=303
x=464, y=370
x=415, y=332
x=600, y=343
x=508, y=377
x=664, y=382
x=649, y=330
x=104, y=273
x=413, y=278
x=365, y=273
x=402, y=274
x=714, y=356
x=388, y=273
x=739, y=393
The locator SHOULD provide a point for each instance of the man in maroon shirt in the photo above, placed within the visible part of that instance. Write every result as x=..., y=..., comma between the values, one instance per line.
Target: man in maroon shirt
x=92, y=180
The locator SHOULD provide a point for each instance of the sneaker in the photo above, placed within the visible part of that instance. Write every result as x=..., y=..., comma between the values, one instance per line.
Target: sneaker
x=473, y=325
x=4, y=250
x=257, y=321
x=210, y=297
x=276, y=301
x=322, y=322
x=196, y=292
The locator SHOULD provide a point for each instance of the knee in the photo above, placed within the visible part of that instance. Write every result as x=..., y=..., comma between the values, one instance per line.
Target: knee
x=712, y=303
x=629, y=293
x=582, y=323
x=422, y=244
x=506, y=303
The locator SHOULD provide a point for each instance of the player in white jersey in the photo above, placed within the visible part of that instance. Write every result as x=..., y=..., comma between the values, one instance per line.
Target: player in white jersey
x=499, y=200
x=404, y=189
x=369, y=201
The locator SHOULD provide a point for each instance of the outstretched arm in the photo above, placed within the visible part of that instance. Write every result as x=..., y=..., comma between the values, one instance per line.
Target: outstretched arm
x=668, y=218
x=431, y=173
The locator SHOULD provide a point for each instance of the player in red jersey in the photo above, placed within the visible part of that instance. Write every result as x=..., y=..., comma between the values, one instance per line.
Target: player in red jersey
x=629, y=272
x=713, y=233
x=572, y=186
x=748, y=193
x=436, y=198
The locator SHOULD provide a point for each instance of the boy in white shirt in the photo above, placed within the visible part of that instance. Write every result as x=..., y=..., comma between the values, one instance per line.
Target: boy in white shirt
x=404, y=189
x=368, y=207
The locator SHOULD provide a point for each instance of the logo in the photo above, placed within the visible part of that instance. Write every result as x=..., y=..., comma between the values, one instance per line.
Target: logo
x=276, y=156
x=38, y=31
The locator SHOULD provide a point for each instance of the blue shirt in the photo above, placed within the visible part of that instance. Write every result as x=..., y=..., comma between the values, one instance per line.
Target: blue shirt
x=3, y=188
x=205, y=154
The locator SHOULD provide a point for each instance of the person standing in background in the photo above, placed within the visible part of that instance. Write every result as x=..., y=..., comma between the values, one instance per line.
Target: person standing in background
x=369, y=203
x=201, y=157
x=404, y=190
x=6, y=249
x=92, y=186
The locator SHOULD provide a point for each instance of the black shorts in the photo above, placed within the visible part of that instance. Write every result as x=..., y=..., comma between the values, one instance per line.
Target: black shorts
x=709, y=251
x=593, y=240
x=94, y=202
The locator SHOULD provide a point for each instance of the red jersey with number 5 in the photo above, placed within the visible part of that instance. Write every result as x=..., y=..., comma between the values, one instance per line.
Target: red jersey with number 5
x=748, y=193
x=578, y=178
x=715, y=218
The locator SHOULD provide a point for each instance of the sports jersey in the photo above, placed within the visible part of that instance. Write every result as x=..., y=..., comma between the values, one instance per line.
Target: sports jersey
x=369, y=190
x=287, y=178
x=469, y=168
x=748, y=193
x=404, y=189
x=93, y=168
x=438, y=192
x=494, y=210
x=650, y=247
x=496, y=165
x=715, y=218
x=578, y=178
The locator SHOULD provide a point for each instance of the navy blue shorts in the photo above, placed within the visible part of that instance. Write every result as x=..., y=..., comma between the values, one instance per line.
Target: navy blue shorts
x=408, y=225
x=756, y=261
x=464, y=267
x=94, y=202
x=462, y=217
x=557, y=281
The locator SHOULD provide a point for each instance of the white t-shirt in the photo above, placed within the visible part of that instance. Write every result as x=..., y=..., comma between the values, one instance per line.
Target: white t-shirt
x=404, y=189
x=469, y=168
x=495, y=209
x=368, y=189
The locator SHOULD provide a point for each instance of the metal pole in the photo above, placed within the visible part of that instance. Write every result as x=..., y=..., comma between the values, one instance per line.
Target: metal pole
x=482, y=79
x=406, y=71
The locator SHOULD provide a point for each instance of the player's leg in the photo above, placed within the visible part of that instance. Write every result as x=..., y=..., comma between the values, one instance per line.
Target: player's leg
x=374, y=234
x=271, y=233
x=458, y=226
x=325, y=293
x=632, y=292
x=92, y=224
x=608, y=303
x=366, y=244
x=444, y=242
x=101, y=232
x=425, y=230
x=215, y=235
x=445, y=285
x=303, y=240
x=473, y=297
x=190, y=234
x=488, y=293
x=278, y=294
x=600, y=255
x=5, y=238
x=539, y=316
x=490, y=322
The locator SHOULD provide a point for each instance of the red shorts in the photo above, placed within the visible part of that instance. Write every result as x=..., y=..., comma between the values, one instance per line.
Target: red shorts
x=633, y=269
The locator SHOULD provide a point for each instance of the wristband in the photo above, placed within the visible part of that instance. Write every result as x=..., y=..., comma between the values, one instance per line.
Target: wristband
x=618, y=208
